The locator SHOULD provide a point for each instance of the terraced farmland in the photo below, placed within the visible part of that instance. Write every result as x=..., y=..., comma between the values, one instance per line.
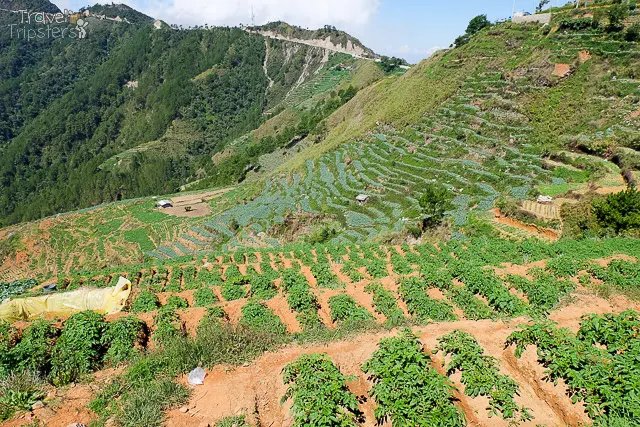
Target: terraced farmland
x=460, y=146
x=478, y=143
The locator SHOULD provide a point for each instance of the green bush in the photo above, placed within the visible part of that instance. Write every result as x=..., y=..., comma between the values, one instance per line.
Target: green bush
x=633, y=33
x=79, y=350
x=619, y=212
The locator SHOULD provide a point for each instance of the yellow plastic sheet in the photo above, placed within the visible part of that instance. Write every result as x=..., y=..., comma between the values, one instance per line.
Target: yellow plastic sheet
x=103, y=301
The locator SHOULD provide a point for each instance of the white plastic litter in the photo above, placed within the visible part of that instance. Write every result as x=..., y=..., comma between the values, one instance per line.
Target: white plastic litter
x=196, y=377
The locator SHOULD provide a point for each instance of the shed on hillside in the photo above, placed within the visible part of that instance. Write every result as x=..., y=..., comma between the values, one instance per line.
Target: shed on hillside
x=164, y=204
x=545, y=199
x=362, y=198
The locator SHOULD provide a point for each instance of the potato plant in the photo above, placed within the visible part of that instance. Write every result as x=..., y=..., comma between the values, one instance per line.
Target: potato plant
x=400, y=265
x=146, y=301
x=175, y=302
x=167, y=325
x=385, y=303
x=488, y=285
x=258, y=317
x=408, y=391
x=33, y=352
x=123, y=337
x=472, y=307
x=79, y=350
x=262, y=287
x=344, y=308
x=599, y=364
x=543, y=293
x=481, y=376
x=301, y=299
x=325, y=277
x=204, y=297
x=413, y=292
x=377, y=268
x=319, y=393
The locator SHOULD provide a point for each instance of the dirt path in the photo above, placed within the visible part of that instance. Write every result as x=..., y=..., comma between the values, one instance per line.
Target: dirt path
x=197, y=202
x=542, y=232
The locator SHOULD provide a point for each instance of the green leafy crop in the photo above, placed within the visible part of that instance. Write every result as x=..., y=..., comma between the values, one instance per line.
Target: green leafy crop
x=481, y=375
x=122, y=336
x=204, y=297
x=146, y=301
x=320, y=394
x=345, y=308
x=407, y=389
x=79, y=350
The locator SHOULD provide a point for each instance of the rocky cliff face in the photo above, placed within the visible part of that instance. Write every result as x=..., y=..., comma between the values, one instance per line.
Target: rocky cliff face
x=348, y=48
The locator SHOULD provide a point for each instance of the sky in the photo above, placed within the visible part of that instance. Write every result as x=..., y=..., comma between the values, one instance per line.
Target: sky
x=411, y=29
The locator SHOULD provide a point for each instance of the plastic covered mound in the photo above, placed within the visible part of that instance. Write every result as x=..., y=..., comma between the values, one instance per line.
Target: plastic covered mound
x=103, y=301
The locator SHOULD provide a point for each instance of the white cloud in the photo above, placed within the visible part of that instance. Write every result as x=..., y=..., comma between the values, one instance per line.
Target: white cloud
x=305, y=13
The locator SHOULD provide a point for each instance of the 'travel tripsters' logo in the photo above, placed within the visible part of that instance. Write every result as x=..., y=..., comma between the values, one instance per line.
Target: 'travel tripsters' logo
x=43, y=25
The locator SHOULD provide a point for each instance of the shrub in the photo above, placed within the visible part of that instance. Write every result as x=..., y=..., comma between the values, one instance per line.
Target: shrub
x=79, y=350
x=619, y=212
x=633, y=33
x=617, y=14
x=578, y=24
x=434, y=202
x=146, y=301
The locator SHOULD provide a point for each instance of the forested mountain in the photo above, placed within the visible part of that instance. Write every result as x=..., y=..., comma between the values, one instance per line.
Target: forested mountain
x=168, y=100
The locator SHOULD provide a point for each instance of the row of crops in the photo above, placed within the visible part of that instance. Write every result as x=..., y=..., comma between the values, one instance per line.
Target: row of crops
x=408, y=384
x=85, y=343
x=599, y=365
x=405, y=284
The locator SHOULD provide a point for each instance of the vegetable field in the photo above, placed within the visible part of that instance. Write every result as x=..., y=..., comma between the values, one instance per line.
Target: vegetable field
x=304, y=292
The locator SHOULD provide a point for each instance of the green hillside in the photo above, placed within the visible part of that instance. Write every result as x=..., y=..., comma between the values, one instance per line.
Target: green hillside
x=492, y=122
x=346, y=241
x=156, y=103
